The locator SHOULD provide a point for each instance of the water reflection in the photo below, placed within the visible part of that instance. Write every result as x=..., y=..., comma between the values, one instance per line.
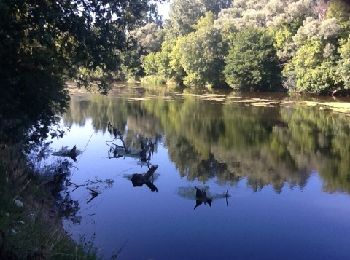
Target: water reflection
x=202, y=195
x=135, y=145
x=139, y=179
x=66, y=152
x=275, y=146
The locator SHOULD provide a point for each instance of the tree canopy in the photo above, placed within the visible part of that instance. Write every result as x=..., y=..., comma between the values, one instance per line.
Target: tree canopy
x=300, y=43
x=43, y=43
x=252, y=62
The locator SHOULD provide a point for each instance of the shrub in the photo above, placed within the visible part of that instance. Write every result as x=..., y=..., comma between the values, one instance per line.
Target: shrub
x=252, y=63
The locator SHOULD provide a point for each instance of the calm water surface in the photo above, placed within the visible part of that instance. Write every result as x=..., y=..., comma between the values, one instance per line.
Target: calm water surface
x=286, y=170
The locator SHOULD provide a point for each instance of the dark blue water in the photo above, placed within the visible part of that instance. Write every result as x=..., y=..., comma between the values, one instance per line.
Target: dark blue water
x=286, y=170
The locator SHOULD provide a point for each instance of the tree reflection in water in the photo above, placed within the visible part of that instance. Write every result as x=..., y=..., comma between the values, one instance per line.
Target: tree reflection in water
x=202, y=195
x=119, y=148
x=274, y=146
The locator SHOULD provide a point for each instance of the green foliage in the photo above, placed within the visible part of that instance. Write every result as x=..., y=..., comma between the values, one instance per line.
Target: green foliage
x=251, y=62
x=304, y=38
x=175, y=55
x=150, y=64
x=201, y=54
x=44, y=43
x=316, y=64
x=339, y=9
x=140, y=42
x=313, y=72
x=163, y=59
x=149, y=37
x=195, y=59
x=158, y=63
x=344, y=63
x=186, y=13
x=183, y=15
x=283, y=39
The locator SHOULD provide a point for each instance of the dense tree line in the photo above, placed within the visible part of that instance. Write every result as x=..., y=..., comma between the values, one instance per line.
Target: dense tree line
x=301, y=45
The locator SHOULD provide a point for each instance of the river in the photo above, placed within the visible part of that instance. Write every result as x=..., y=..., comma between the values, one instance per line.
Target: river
x=237, y=178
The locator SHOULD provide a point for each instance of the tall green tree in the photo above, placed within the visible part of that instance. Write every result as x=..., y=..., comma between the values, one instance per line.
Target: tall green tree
x=183, y=15
x=201, y=54
x=186, y=13
x=344, y=63
x=313, y=67
x=252, y=62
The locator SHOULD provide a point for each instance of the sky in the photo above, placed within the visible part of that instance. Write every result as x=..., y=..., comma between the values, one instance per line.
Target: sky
x=163, y=9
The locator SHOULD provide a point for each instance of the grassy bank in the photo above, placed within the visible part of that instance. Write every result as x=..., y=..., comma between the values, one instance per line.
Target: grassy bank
x=32, y=211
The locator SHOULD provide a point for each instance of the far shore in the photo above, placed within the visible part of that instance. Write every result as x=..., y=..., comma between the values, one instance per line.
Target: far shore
x=258, y=99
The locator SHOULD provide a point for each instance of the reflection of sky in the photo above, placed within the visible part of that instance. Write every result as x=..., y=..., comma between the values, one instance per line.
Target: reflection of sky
x=295, y=224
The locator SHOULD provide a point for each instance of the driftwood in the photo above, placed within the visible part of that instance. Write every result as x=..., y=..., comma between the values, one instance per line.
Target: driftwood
x=202, y=195
x=66, y=152
x=139, y=179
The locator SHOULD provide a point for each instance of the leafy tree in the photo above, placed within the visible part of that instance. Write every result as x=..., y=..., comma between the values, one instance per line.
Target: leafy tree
x=149, y=37
x=216, y=6
x=178, y=72
x=201, y=54
x=252, y=62
x=283, y=38
x=158, y=63
x=150, y=64
x=42, y=43
x=186, y=13
x=183, y=15
x=251, y=13
x=139, y=43
x=313, y=69
x=314, y=66
x=344, y=63
x=339, y=9
x=164, y=59
x=307, y=36
x=195, y=59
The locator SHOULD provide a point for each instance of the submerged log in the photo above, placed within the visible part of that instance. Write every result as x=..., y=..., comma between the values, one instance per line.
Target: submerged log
x=139, y=179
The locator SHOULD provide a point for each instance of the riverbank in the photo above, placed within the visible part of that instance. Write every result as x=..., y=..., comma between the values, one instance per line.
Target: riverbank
x=261, y=99
x=281, y=158
x=32, y=210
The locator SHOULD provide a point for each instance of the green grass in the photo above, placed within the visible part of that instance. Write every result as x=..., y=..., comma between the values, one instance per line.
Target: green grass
x=35, y=228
